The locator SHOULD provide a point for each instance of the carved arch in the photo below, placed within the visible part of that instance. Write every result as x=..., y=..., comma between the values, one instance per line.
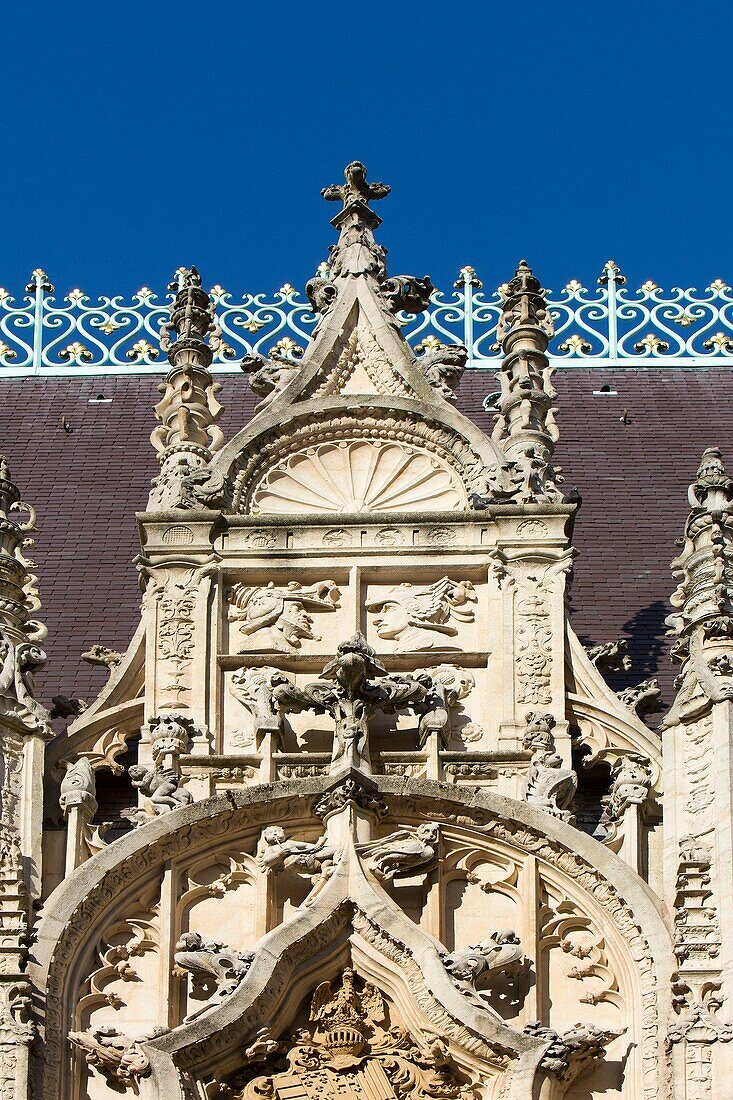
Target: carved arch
x=78, y=907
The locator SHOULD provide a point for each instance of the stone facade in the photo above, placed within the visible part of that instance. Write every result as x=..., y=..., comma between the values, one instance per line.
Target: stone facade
x=391, y=832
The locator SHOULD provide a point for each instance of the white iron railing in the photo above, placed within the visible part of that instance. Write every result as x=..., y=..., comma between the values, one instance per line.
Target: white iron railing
x=608, y=326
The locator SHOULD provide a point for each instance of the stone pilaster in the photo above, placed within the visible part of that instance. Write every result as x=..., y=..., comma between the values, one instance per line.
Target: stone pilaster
x=698, y=783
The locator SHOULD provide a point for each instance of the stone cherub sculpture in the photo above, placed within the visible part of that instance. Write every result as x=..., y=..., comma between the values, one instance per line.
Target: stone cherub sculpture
x=276, y=619
x=162, y=787
x=280, y=853
x=548, y=784
x=422, y=617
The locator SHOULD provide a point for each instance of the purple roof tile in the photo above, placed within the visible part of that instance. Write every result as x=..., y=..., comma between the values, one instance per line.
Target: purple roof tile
x=87, y=485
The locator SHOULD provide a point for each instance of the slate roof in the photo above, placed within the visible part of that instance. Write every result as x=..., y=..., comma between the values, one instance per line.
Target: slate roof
x=87, y=485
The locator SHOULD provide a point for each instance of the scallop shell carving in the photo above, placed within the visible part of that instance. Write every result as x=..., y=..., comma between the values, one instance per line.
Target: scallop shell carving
x=359, y=476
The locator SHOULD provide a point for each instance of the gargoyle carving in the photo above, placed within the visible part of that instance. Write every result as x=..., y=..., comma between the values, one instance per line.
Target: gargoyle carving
x=18, y=665
x=611, y=657
x=350, y=695
x=350, y=791
x=571, y=1053
x=161, y=785
x=254, y=688
x=404, y=852
x=472, y=967
x=79, y=788
x=102, y=655
x=407, y=293
x=443, y=367
x=277, y=620
x=446, y=685
x=548, y=784
x=121, y=1061
x=268, y=377
x=632, y=778
x=278, y=853
x=211, y=959
x=644, y=698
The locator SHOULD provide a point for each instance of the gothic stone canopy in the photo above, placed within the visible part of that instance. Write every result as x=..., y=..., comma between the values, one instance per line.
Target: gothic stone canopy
x=355, y=812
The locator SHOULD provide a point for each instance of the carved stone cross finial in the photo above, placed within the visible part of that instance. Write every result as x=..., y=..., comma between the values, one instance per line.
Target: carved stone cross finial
x=356, y=188
x=355, y=685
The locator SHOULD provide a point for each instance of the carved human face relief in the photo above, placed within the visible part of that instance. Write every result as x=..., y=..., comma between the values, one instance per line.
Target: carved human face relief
x=278, y=619
x=423, y=617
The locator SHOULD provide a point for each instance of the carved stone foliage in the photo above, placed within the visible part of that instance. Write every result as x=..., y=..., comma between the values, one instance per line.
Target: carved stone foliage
x=175, y=643
x=549, y=785
x=278, y=619
x=362, y=367
x=350, y=1046
x=162, y=787
x=355, y=685
x=207, y=959
x=533, y=632
x=404, y=852
x=423, y=617
x=280, y=853
x=358, y=476
x=170, y=734
x=120, y=1060
x=573, y=1052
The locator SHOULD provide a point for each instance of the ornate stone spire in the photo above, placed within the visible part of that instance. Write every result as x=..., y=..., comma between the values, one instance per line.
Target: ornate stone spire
x=358, y=254
x=20, y=633
x=525, y=427
x=188, y=435
x=703, y=599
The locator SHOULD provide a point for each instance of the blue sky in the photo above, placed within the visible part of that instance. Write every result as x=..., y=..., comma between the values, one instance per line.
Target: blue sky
x=139, y=136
